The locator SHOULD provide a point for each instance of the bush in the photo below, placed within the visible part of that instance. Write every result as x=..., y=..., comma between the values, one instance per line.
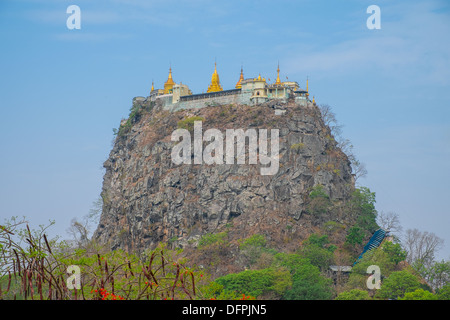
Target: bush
x=355, y=236
x=257, y=282
x=398, y=284
x=188, y=123
x=319, y=201
x=362, y=205
x=444, y=292
x=307, y=281
x=212, y=239
x=419, y=294
x=395, y=252
x=354, y=294
x=253, y=247
x=318, y=251
x=308, y=284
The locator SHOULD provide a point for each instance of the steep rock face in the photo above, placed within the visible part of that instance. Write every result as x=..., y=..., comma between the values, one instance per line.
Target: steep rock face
x=148, y=199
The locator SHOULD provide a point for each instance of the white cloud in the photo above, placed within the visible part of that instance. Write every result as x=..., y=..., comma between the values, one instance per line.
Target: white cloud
x=414, y=43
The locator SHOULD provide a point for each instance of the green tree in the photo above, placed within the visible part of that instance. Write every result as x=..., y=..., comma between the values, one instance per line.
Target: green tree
x=397, y=284
x=309, y=284
x=318, y=251
x=257, y=282
x=358, y=277
x=395, y=252
x=362, y=206
x=438, y=274
x=355, y=236
x=307, y=281
x=419, y=294
x=444, y=292
x=354, y=294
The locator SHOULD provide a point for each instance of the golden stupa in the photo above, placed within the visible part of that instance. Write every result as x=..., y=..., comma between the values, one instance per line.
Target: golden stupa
x=215, y=82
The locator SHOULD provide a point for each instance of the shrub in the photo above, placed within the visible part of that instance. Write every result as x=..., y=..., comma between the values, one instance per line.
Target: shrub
x=395, y=252
x=319, y=201
x=253, y=247
x=354, y=294
x=297, y=146
x=188, y=123
x=355, y=236
x=398, y=284
x=212, y=239
x=257, y=282
x=444, y=292
x=419, y=294
x=307, y=281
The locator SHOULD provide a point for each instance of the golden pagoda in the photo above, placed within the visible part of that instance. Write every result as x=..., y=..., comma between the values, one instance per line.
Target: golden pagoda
x=238, y=84
x=215, y=82
x=168, y=86
x=278, y=75
x=307, y=89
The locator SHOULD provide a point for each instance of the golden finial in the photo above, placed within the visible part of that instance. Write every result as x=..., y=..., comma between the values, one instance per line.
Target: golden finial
x=278, y=81
x=153, y=87
x=307, y=87
x=241, y=77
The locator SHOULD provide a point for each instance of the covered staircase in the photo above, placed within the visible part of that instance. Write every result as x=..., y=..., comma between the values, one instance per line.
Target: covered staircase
x=373, y=243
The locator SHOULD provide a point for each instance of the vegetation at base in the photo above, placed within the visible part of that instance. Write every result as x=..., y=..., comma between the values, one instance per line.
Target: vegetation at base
x=353, y=294
x=35, y=267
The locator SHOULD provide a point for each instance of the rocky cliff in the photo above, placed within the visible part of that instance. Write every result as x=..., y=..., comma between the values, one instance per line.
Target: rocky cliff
x=148, y=199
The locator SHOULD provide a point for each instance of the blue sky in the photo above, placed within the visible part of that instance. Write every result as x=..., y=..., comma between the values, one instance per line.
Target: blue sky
x=62, y=91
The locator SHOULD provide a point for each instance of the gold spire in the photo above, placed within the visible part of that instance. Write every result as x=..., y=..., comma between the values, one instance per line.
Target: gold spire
x=215, y=82
x=168, y=86
x=153, y=87
x=238, y=84
x=278, y=75
x=307, y=90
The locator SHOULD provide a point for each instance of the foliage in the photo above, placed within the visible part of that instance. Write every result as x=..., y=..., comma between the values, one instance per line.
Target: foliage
x=252, y=247
x=216, y=291
x=437, y=274
x=307, y=281
x=318, y=192
x=318, y=251
x=309, y=284
x=398, y=284
x=363, y=204
x=354, y=236
x=444, y=292
x=319, y=201
x=257, y=282
x=395, y=251
x=358, y=276
x=211, y=239
x=362, y=207
x=39, y=270
x=419, y=294
x=188, y=123
x=354, y=294
x=297, y=146
x=256, y=240
x=136, y=112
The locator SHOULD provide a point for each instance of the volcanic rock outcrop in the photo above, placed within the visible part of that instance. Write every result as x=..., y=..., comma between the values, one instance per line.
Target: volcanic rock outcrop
x=147, y=199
